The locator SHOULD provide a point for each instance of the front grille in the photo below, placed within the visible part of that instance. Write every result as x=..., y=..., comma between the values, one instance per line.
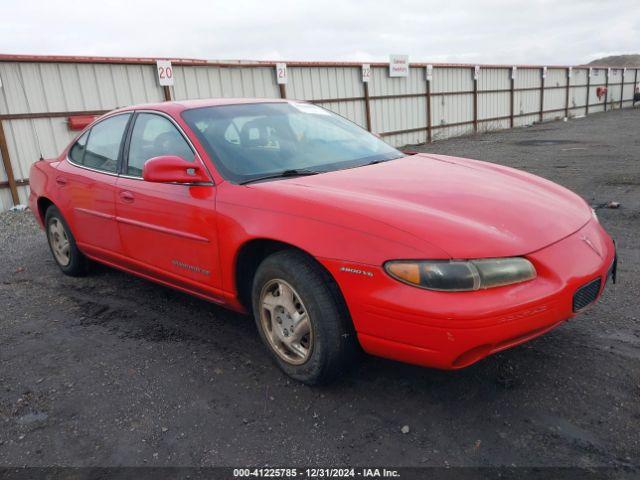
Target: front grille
x=586, y=294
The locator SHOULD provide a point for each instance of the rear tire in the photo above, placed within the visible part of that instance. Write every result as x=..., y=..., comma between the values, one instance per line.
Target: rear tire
x=302, y=318
x=63, y=246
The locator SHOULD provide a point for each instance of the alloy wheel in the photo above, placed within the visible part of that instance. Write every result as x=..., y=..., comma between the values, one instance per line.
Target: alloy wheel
x=59, y=241
x=285, y=322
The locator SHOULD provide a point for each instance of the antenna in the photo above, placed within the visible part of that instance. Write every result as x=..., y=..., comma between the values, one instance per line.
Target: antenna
x=26, y=99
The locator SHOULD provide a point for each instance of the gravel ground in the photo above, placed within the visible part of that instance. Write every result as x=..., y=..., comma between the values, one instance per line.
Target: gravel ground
x=112, y=370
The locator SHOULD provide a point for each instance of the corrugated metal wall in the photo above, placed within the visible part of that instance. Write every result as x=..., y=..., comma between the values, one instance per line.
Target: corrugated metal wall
x=39, y=94
x=31, y=89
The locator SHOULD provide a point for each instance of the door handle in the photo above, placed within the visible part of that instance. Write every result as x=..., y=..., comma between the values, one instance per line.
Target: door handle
x=126, y=196
x=61, y=181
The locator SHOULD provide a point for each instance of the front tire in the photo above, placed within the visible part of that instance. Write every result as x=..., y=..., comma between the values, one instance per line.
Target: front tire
x=63, y=245
x=302, y=318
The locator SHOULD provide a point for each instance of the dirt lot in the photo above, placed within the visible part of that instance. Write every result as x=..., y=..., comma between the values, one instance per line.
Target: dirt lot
x=113, y=370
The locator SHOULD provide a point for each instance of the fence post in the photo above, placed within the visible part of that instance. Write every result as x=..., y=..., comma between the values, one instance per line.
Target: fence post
x=167, y=93
x=428, y=112
x=622, y=88
x=6, y=161
x=542, y=81
x=566, y=103
x=586, y=112
x=475, y=99
x=635, y=83
x=512, y=96
x=606, y=87
x=367, y=104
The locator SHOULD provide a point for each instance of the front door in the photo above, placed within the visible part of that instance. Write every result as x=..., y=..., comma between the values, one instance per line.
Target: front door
x=167, y=230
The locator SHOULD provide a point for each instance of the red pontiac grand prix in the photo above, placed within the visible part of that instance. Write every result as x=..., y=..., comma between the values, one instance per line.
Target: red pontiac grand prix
x=333, y=239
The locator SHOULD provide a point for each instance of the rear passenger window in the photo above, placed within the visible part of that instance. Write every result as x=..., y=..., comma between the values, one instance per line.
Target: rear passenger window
x=76, y=154
x=153, y=136
x=103, y=146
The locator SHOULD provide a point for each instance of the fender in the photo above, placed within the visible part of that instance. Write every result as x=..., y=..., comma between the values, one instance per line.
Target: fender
x=246, y=214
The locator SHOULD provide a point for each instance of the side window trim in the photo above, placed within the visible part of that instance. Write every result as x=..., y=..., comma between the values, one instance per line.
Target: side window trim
x=84, y=150
x=130, y=113
x=123, y=142
x=122, y=165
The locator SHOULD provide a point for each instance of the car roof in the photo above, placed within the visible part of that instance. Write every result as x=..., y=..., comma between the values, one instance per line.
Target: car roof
x=176, y=106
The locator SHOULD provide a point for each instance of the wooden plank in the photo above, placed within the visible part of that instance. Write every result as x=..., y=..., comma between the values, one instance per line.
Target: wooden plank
x=6, y=161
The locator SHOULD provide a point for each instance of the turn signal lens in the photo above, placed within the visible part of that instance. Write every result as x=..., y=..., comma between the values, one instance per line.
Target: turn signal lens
x=461, y=276
x=408, y=272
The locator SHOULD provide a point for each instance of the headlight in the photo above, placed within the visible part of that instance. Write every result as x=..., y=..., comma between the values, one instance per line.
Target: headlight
x=459, y=275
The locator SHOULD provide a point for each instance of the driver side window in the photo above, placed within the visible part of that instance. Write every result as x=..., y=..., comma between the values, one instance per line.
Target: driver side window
x=154, y=135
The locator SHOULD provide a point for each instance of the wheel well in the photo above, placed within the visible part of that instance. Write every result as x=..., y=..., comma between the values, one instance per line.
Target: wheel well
x=249, y=259
x=43, y=204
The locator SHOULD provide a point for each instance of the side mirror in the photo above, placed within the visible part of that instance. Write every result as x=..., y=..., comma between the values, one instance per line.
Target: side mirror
x=173, y=169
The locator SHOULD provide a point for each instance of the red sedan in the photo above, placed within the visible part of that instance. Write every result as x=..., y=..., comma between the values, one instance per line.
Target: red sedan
x=331, y=238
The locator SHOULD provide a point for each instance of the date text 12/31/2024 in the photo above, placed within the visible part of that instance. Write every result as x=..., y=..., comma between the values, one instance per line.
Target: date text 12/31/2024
x=315, y=473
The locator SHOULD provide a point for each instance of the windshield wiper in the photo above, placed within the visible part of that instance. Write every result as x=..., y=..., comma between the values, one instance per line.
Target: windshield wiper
x=373, y=162
x=293, y=172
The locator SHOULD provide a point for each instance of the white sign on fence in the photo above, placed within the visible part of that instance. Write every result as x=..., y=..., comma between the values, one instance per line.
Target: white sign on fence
x=476, y=72
x=608, y=72
x=366, y=72
x=569, y=72
x=398, y=65
x=590, y=72
x=165, y=73
x=544, y=72
x=281, y=73
x=429, y=72
x=514, y=70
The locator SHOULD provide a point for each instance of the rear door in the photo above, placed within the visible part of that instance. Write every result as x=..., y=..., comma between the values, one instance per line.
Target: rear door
x=167, y=230
x=87, y=182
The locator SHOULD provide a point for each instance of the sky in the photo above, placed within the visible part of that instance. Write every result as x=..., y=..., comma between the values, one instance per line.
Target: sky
x=542, y=32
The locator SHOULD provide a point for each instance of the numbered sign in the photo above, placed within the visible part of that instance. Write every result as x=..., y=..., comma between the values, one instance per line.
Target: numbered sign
x=398, y=65
x=514, y=70
x=590, y=72
x=569, y=72
x=366, y=72
x=476, y=72
x=544, y=72
x=165, y=73
x=429, y=72
x=281, y=73
x=608, y=72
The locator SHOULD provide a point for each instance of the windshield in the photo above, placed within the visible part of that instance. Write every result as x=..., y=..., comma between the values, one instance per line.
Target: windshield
x=255, y=140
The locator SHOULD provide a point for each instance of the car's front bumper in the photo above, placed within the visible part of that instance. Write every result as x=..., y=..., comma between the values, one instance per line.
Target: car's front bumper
x=454, y=329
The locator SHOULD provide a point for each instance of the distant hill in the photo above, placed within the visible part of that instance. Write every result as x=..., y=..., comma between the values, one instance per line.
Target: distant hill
x=631, y=60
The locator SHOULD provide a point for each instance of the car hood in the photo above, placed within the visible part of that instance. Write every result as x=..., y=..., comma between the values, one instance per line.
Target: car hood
x=466, y=208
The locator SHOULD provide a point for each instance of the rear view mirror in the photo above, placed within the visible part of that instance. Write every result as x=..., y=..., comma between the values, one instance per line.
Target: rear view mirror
x=174, y=169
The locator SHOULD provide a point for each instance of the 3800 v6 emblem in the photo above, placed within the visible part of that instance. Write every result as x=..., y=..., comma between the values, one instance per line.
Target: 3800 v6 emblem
x=357, y=271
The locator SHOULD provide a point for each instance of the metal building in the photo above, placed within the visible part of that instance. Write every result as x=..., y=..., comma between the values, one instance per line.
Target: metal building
x=40, y=94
